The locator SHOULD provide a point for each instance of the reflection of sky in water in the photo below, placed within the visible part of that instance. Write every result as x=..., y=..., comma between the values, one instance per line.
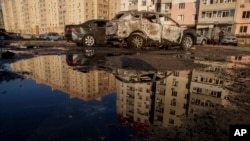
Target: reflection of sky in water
x=32, y=111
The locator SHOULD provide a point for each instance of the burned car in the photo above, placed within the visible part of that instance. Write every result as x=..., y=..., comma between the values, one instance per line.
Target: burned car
x=89, y=33
x=139, y=29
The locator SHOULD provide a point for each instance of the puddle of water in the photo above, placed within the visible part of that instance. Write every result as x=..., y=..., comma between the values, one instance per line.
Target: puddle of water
x=65, y=98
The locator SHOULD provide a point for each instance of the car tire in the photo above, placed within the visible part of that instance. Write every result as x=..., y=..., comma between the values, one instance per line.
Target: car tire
x=136, y=41
x=203, y=42
x=187, y=42
x=88, y=40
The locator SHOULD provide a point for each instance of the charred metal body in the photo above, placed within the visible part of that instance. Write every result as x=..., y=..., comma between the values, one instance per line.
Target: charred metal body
x=139, y=29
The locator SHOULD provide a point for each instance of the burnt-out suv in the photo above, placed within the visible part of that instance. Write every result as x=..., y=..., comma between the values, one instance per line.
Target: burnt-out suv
x=139, y=29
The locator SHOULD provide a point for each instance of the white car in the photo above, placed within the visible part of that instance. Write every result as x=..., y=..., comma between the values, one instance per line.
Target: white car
x=230, y=40
x=50, y=36
x=201, y=40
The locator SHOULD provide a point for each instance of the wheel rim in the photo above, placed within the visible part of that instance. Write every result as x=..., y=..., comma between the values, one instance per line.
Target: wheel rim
x=89, y=40
x=137, y=41
x=188, y=42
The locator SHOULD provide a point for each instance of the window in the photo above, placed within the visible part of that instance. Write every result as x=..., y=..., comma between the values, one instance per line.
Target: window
x=173, y=102
x=208, y=14
x=176, y=73
x=172, y=112
x=225, y=13
x=144, y=3
x=174, y=83
x=181, y=5
x=171, y=121
x=246, y=14
x=174, y=93
x=243, y=29
x=168, y=5
x=229, y=29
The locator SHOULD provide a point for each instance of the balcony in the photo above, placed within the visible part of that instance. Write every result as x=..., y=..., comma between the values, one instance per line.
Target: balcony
x=218, y=6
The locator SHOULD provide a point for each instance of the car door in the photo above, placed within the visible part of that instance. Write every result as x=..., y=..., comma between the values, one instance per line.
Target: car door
x=151, y=26
x=171, y=31
x=98, y=29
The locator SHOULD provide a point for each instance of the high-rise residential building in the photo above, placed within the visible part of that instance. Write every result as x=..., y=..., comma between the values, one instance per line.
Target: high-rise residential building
x=242, y=21
x=215, y=15
x=185, y=12
x=140, y=5
x=41, y=16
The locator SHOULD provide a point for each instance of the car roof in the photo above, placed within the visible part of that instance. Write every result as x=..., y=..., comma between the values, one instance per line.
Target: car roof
x=135, y=12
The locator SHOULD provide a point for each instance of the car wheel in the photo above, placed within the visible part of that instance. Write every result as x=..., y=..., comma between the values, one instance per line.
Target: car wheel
x=136, y=41
x=203, y=42
x=89, y=40
x=187, y=42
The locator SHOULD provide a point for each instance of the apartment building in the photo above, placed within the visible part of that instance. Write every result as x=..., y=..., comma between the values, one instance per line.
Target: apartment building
x=42, y=16
x=185, y=12
x=165, y=6
x=140, y=5
x=215, y=15
x=242, y=21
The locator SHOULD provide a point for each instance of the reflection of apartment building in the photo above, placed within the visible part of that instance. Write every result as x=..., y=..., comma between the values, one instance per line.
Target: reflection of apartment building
x=176, y=97
x=238, y=69
x=41, y=16
x=54, y=72
x=207, y=86
x=133, y=102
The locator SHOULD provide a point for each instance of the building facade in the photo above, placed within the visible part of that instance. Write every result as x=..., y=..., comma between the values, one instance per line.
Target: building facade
x=215, y=15
x=140, y=5
x=242, y=21
x=41, y=16
x=185, y=12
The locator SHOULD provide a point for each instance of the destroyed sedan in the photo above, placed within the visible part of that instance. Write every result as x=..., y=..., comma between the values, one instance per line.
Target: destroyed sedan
x=139, y=29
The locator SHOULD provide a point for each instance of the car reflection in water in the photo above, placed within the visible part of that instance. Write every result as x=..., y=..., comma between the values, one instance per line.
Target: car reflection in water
x=197, y=104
